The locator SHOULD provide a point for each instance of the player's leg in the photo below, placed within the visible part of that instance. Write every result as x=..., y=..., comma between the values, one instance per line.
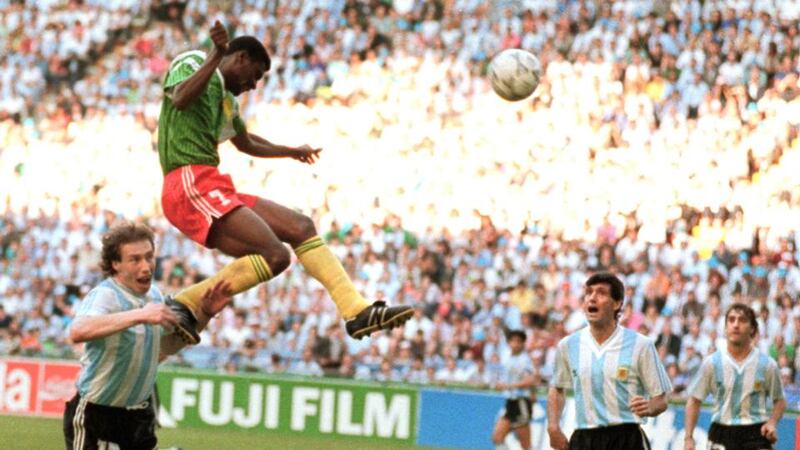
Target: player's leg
x=523, y=433
x=141, y=427
x=260, y=256
x=78, y=428
x=203, y=204
x=522, y=424
x=298, y=230
x=501, y=429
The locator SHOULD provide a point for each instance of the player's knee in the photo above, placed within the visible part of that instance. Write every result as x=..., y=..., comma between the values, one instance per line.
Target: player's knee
x=278, y=259
x=498, y=437
x=305, y=228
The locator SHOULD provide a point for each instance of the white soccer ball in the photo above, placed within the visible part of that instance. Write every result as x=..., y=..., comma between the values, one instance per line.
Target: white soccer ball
x=515, y=74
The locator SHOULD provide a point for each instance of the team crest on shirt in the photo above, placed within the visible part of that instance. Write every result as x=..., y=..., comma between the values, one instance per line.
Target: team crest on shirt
x=758, y=385
x=622, y=373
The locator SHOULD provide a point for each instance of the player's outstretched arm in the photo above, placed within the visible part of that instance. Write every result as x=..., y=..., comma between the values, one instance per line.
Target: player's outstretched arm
x=89, y=328
x=555, y=406
x=259, y=147
x=184, y=93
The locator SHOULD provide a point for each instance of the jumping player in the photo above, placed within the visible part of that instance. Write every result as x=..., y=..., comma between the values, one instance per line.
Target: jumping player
x=198, y=112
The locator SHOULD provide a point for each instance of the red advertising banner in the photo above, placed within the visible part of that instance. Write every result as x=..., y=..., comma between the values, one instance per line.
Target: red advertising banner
x=36, y=387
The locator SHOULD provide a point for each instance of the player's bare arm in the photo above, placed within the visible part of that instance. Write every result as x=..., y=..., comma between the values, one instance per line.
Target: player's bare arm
x=648, y=408
x=259, y=147
x=692, y=412
x=768, y=430
x=184, y=93
x=89, y=328
x=555, y=405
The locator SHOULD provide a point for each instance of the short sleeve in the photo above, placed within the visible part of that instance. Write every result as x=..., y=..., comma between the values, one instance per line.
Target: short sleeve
x=562, y=378
x=703, y=383
x=774, y=384
x=98, y=302
x=652, y=374
x=182, y=70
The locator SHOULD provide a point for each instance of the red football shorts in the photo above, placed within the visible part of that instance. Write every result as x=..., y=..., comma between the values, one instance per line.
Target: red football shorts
x=193, y=196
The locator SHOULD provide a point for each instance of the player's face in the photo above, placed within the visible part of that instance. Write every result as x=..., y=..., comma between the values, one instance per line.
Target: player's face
x=516, y=344
x=246, y=75
x=738, y=329
x=136, y=265
x=598, y=306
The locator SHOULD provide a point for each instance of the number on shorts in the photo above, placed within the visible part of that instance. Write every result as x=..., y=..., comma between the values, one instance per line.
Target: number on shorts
x=218, y=195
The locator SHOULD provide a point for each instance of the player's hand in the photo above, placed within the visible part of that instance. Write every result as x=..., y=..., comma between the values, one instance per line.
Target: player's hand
x=688, y=443
x=159, y=314
x=216, y=298
x=769, y=432
x=640, y=406
x=558, y=440
x=219, y=35
x=306, y=154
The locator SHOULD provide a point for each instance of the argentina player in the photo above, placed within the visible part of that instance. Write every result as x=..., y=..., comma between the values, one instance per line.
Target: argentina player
x=743, y=381
x=516, y=381
x=614, y=372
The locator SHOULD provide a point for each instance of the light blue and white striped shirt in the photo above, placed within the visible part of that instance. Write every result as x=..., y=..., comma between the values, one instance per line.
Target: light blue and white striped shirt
x=741, y=391
x=120, y=369
x=514, y=369
x=605, y=377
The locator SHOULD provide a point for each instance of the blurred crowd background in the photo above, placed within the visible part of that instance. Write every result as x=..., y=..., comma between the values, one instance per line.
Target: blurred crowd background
x=662, y=144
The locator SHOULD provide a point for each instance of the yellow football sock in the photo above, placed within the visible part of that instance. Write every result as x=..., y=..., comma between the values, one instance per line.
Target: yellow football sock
x=241, y=274
x=323, y=265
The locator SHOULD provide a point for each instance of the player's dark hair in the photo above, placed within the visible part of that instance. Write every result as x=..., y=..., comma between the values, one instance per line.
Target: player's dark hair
x=746, y=311
x=116, y=237
x=613, y=282
x=253, y=47
x=517, y=333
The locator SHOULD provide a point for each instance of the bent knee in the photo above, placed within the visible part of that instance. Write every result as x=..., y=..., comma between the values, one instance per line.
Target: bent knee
x=278, y=258
x=305, y=229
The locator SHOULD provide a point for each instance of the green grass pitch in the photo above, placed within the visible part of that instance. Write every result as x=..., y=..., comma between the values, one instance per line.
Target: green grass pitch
x=28, y=433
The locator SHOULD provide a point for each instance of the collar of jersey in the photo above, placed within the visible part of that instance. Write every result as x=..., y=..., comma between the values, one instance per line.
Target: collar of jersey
x=598, y=349
x=739, y=367
x=125, y=289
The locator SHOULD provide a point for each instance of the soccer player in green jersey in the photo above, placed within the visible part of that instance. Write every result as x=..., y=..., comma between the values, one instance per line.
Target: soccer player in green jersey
x=198, y=112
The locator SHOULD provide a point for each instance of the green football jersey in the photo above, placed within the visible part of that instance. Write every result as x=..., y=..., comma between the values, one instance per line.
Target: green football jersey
x=191, y=136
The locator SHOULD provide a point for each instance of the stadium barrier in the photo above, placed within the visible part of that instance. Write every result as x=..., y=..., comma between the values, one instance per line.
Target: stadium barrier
x=419, y=415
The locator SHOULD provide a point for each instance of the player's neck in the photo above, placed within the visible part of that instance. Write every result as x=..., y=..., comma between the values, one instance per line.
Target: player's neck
x=601, y=332
x=739, y=352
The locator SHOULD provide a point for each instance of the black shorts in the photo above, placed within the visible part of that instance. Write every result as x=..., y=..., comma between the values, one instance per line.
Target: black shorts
x=737, y=437
x=518, y=411
x=629, y=436
x=90, y=426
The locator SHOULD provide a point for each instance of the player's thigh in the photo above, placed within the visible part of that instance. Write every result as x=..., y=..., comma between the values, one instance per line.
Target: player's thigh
x=245, y=226
x=290, y=226
x=501, y=429
x=232, y=246
x=523, y=433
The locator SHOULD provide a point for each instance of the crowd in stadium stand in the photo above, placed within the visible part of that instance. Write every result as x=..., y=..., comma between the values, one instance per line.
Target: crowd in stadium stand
x=662, y=144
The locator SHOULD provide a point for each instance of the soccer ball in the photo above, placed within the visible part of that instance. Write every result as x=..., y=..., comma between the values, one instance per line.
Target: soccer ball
x=514, y=74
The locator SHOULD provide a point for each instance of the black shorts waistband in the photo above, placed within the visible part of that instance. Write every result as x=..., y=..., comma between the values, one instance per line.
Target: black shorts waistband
x=138, y=407
x=622, y=427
